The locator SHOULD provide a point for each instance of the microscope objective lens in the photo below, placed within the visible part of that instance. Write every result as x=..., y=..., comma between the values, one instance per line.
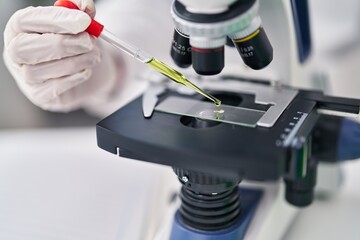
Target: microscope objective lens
x=179, y=78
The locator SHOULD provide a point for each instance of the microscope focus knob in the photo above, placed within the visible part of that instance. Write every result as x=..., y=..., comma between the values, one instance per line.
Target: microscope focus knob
x=300, y=192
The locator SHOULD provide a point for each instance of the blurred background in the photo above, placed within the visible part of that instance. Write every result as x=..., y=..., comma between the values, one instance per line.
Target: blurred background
x=41, y=165
x=16, y=111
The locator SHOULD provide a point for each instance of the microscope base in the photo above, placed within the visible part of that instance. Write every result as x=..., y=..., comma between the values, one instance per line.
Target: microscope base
x=270, y=220
x=250, y=199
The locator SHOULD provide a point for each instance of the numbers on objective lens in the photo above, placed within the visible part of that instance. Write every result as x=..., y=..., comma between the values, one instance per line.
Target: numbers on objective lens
x=247, y=51
x=181, y=47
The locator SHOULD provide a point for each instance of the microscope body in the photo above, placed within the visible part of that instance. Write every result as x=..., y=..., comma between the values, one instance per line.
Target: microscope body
x=288, y=26
x=211, y=159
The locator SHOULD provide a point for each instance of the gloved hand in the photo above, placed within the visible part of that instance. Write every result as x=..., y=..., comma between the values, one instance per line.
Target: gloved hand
x=55, y=63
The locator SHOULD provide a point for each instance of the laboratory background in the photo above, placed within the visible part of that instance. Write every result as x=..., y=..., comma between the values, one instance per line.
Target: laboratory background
x=55, y=183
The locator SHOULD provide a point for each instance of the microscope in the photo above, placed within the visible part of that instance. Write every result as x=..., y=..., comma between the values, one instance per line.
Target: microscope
x=252, y=164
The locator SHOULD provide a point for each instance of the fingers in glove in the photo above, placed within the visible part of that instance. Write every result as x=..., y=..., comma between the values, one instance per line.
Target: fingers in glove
x=39, y=73
x=48, y=20
x=37, y=48
x=69, y=100
x=48, y=91
x=86, y=6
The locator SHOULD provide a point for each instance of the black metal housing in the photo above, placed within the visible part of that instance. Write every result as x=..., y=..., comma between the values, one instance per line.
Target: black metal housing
x=181, y=50
x=257, y=51
x=208, y=61
x=223, y=149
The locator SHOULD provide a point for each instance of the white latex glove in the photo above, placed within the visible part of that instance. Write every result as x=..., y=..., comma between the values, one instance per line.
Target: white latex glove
x=54, y=62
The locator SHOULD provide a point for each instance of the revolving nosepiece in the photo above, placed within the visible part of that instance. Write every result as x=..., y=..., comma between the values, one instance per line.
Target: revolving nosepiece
x=208, y=25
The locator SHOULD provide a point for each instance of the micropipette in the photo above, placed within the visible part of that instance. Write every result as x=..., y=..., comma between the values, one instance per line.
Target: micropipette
x=97, y=30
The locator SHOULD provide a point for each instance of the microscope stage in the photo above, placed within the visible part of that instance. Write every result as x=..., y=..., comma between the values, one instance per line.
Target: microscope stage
x=179, y=138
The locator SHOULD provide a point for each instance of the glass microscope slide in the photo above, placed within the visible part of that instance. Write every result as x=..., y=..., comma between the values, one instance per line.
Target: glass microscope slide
x=207, y=111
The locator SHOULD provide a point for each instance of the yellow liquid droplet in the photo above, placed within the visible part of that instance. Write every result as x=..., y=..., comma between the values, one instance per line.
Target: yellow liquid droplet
x=219, y=113
x=179, y=78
